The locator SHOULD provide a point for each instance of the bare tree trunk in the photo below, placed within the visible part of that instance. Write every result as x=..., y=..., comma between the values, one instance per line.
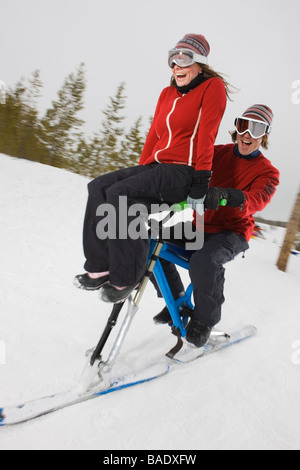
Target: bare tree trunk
x=290, y=236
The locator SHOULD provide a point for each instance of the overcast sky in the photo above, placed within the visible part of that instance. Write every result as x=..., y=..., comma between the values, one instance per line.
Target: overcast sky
x=255, y=43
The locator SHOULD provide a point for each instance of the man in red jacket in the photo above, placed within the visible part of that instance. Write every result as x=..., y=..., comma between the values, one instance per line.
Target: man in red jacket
x=243, y=176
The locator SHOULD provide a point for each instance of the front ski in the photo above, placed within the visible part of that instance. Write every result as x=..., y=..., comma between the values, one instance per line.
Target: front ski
x=16, y=414
x=190, y=353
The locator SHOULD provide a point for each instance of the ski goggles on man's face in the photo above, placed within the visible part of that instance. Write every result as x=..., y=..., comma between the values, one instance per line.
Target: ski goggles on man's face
x=255, y=128
x=184, y=58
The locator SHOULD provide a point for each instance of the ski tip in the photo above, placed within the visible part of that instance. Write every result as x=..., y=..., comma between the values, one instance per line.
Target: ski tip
x=244, y=333
x=252, y=329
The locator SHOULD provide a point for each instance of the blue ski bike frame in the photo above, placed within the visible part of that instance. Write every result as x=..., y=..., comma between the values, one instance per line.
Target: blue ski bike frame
x=158, y=249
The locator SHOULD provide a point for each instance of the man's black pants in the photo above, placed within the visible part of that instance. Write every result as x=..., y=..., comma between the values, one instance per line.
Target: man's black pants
x=207, y=274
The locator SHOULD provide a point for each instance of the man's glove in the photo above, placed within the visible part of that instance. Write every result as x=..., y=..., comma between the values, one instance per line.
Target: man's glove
x=235, y=198
x=214, y=196
x=199, y=189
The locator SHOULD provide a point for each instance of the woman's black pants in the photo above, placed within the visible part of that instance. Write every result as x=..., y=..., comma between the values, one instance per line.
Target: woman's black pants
x=112, y=198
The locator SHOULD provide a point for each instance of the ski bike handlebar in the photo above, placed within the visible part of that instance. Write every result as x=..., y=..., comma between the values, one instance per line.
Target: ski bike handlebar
x=181, y=206
x=157, y=226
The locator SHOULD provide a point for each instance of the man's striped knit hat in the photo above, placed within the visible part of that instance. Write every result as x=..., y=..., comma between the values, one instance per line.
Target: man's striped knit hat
x=259, y=112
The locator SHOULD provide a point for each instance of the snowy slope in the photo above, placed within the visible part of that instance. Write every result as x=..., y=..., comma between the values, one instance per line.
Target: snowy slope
x=246, y=397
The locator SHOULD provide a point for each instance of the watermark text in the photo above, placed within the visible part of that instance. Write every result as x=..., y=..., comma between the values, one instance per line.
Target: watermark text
x=296, y=92
x=2, y=353
x=151, y=459
x=137, y=221
x=296, y=354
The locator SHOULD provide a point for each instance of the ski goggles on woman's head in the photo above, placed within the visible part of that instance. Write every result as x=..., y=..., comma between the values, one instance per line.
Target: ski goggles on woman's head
x=184, y=58
x=255, y=128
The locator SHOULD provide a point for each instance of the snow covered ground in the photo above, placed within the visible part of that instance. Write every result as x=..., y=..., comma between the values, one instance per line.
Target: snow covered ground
x=246, y=397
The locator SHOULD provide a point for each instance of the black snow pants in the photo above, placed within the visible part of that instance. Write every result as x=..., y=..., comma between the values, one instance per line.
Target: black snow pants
x=207, y=273
x=125, y=257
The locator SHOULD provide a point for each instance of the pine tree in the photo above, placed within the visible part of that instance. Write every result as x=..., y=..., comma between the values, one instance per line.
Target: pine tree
x=56, y=139
x=131, y=146
x=2, y=92
x=9, y=118
x=60, y=126
x=19, y=121
x=30, y=145
x=108, y=139
x=88, y=160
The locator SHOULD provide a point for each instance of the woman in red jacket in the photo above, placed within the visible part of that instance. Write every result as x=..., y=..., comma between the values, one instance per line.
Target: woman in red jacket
x=248, y=181
x=175, y=164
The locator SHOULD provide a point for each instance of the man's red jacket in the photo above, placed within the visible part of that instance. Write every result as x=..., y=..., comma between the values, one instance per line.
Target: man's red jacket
x=254, y=175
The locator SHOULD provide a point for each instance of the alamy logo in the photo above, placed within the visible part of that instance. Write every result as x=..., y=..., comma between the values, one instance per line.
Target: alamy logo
x=296, y=355
x=296, y=93
x=2, y=353
x=132, y=222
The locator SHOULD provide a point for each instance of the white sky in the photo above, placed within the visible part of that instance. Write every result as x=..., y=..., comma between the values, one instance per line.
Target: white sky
x=255, y=43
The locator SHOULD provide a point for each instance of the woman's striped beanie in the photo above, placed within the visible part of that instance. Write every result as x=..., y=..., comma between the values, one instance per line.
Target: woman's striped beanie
x=260, y=112
x=194, y=42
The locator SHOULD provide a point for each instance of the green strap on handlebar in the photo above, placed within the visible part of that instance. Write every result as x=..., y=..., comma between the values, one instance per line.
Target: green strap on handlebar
x=223, y=202
x=180, y=206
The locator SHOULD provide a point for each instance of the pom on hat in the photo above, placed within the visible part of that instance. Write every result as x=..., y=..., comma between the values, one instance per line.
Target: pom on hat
x=196, y=43
x=260, y=112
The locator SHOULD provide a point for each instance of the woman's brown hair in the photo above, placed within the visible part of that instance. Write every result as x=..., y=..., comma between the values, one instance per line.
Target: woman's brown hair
x=210, y=73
